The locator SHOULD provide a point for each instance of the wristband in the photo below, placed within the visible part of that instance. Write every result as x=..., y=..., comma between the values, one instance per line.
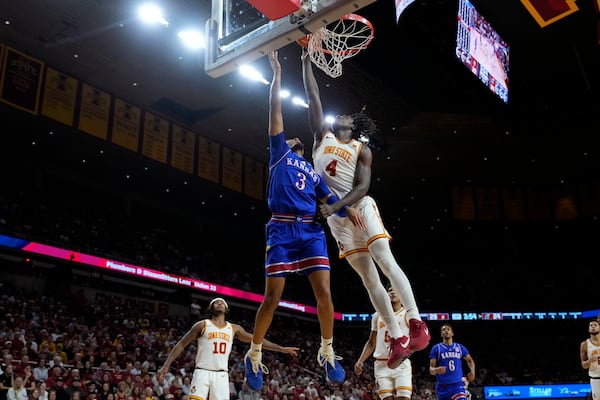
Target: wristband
x=342, y=212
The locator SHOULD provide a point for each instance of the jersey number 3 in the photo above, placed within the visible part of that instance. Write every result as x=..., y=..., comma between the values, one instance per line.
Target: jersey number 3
x=301, y=181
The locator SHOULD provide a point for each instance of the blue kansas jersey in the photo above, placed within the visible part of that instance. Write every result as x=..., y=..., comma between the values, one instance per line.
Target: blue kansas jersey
x=450, y=356
x=292, y=180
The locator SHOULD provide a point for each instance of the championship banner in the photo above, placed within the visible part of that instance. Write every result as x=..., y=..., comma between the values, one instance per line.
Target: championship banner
x=488, y=203
x=182, y=150
x=209, y=159
x=1, y=58
x=463, y=203
x=253, y=178
x=590, y=199
x=538, y=204
x=21, y=80
x=547, y=12
x=155, y=138
x=126, y=125
x=232, y=169
x=565, y=206
x=60, y=94
x=94, y=111
x=513, y=201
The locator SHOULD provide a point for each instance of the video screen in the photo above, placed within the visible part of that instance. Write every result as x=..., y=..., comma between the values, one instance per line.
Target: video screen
x=481, y=49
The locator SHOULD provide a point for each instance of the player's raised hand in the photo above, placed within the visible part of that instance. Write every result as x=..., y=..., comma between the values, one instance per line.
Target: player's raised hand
x=274, y=60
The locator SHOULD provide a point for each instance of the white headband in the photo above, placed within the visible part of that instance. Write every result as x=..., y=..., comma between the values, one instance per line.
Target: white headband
x=218, y=298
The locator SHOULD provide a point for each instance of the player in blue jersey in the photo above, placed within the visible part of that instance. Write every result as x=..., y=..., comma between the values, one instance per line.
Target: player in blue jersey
x=296, y=242
x=446, y=362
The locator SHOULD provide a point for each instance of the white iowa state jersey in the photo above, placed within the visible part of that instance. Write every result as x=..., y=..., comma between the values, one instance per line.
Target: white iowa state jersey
x=593, y=353
x=336, y=162
x=214, y=347
x=382, y=344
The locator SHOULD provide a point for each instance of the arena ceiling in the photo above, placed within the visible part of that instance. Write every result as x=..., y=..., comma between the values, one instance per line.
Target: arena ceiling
x=426, y=102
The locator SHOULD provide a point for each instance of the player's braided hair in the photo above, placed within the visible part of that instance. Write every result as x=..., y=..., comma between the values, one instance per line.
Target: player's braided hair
x=365, y=128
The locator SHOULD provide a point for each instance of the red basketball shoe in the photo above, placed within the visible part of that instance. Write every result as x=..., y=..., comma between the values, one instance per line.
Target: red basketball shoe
x=399, y=351
x=419, y=335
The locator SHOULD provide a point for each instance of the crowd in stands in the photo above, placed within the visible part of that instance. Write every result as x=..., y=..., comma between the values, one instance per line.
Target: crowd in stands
x=66, y=348
x=62, y=348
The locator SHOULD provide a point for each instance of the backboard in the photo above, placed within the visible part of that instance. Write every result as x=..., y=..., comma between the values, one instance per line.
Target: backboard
x=237, y=33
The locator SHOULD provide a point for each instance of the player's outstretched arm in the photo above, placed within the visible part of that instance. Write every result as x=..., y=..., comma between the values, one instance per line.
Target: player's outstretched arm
x=244, y=336
x=316, y=120
x=195, y=331
x=275, y=113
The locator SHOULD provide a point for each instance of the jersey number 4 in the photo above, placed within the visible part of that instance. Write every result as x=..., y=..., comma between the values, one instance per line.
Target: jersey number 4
x=331, y=168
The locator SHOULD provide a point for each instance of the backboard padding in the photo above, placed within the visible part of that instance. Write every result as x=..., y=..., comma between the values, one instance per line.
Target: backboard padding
x=228, y=48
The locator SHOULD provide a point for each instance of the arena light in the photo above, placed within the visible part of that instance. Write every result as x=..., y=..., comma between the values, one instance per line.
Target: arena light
x=299, y=101
x=150, y=13
x=192, y=39
x=252, y=73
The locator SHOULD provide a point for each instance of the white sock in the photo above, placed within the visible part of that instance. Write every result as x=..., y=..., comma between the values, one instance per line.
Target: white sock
x=326, y=344
x=255, y=350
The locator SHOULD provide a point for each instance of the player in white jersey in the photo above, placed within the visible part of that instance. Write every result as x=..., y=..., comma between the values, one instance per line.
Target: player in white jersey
x=214, y=338
x=343, y=160
x=589, y=353
x=393, y=383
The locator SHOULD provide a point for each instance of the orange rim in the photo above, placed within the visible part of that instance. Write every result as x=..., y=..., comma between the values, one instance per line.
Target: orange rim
x=303, y=41
x=361, y=19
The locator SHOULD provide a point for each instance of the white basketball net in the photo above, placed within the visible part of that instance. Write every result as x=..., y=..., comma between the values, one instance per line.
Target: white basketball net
x=330, y=45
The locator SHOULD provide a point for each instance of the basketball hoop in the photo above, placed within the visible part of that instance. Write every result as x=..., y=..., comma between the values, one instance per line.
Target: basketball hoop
x=330, y=45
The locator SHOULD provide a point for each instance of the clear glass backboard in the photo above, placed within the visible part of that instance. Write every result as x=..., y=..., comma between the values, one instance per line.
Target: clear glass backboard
x=237, y=33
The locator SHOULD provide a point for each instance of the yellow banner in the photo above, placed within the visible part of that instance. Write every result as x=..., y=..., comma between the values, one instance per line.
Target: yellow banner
x=2, y=59
x=126, y=125
x=463, y=204
x=182, y=150
x=513, y=201
x=590, y=198
x=209, y=159
x=155, y=138
x=253, y=178
x=232, y=169
x=20, y=85
x=60, y=94
x=94, y=112
x=488, y=203
x=565, y=205
x=539, y=206
x=547, y=12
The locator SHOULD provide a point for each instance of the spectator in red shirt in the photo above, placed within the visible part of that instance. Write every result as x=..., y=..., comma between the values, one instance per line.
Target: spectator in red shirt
x=55, y=374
